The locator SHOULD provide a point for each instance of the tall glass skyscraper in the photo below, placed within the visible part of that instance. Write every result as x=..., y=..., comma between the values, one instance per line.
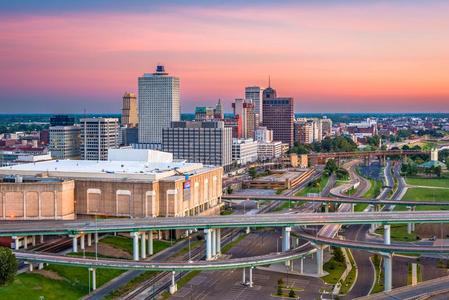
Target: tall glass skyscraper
x=158, y=105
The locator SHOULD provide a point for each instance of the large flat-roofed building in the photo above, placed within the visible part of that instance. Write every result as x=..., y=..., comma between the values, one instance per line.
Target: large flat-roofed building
x=33, y=198
x=133, y=183
x=244, y=151
x=208, y=142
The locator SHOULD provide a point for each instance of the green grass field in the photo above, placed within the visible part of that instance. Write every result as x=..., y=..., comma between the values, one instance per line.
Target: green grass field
x=314, y=189
x=435, y=182
x=425, y=194
x=74, y=284
x=335, y=270
x=374, y=190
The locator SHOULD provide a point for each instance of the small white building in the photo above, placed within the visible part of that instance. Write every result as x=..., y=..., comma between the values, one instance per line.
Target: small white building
x=269, y=150
x=262, y=134
x=244, y=151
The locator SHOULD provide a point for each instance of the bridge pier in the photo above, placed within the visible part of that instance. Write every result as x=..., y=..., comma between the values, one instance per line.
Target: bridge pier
x=301, y=266
x=414, y=274
x=326, y=207
x=218, y=241
x=208, y=238
x=74, y=243
x=388, y=260
x=143, y=244
x=150, y=243
x=214, y=243
x=286, y=241
x=94, y=278
x=135, y=245
x=96, y=237
x=82, y=245
x=250, y=283
x=248, y=230
x=244, y=276
x=173, y=287
x=89, y=239
x=319, y=260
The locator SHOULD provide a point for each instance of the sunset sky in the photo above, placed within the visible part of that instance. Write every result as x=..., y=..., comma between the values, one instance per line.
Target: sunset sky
x=331, y=56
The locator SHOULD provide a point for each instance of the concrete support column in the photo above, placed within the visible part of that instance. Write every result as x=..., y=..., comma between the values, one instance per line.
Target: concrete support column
x=286, y=238
x=214, y=243
x=40, y=266
x=208, y=236
x=75, y=244
x=82, y=246
x=94, y=278
x=89, y=239
x=173, y=286
x=352, y=207
x=150, y=243
x=387, y=234
x=16, y=242
x=326, y=207
x=96, y=237
x=413, y=224
x=388, y=262
x=30, y=267
x=25, y=242
x=251, y=277
x=414, y=274
x=301, y=268
x=319, y=260
x=218, y=239
x=248, y=230
x=143, y=245
x=33, y=240
x=244, y=276
x=41, y=238
x=135, y=245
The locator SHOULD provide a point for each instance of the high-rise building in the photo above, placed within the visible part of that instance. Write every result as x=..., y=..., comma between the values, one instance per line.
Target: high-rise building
x=326, y=127
x=97, y=136
x=278, y=116
x=244, y=109
x=209, y=142
x=64, y=137
x=219, y=112
x=64, y=142
x=254, y=93
x=304, y=132
x=129, y=110
x=158, y=104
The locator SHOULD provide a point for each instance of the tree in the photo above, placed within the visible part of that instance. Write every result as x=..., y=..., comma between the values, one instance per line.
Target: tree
x=292, y=293
x=338, y=255
x=279, y=291
x=252, y=172
x=331, y=166
x=438, y=171
x=8, y=266
x=229, y=190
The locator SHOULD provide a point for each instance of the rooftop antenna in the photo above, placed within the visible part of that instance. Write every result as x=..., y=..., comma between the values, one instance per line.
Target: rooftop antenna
x=269, y=81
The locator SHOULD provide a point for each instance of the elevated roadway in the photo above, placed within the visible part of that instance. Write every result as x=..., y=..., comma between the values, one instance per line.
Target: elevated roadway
x=346, y=199
x=271, y=220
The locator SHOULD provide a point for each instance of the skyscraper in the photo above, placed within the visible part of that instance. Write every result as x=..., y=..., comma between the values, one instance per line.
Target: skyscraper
x=278, y=116
x=158, y=104
x=129, y=110
x=255, y=94
x=98, y=135
x=244, y=109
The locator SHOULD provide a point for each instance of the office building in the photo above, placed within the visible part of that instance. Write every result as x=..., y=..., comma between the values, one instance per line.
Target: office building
x=304, y=132
x=219, y=112
x=203, y=113
x=62, y=120
x=244, y=110
x=158, y=104
x=98, y=135
x=278, y=116
x=262, y=134
x=64, y=142
x=326, y=125
x=131, y=183
x=129, y=110
x=209, y=142
x=269, y=150
x=244, y=151
x=254, y=93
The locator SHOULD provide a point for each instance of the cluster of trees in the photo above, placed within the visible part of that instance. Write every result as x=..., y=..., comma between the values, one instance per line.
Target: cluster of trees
x=281, y=286
x=8, y=266
x=328, y=144
x=408, y=133
x=412, y=169
x=332, y=167
x=21, y=127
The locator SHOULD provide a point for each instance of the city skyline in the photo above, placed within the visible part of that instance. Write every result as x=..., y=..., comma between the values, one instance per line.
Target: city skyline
x=341, y=56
